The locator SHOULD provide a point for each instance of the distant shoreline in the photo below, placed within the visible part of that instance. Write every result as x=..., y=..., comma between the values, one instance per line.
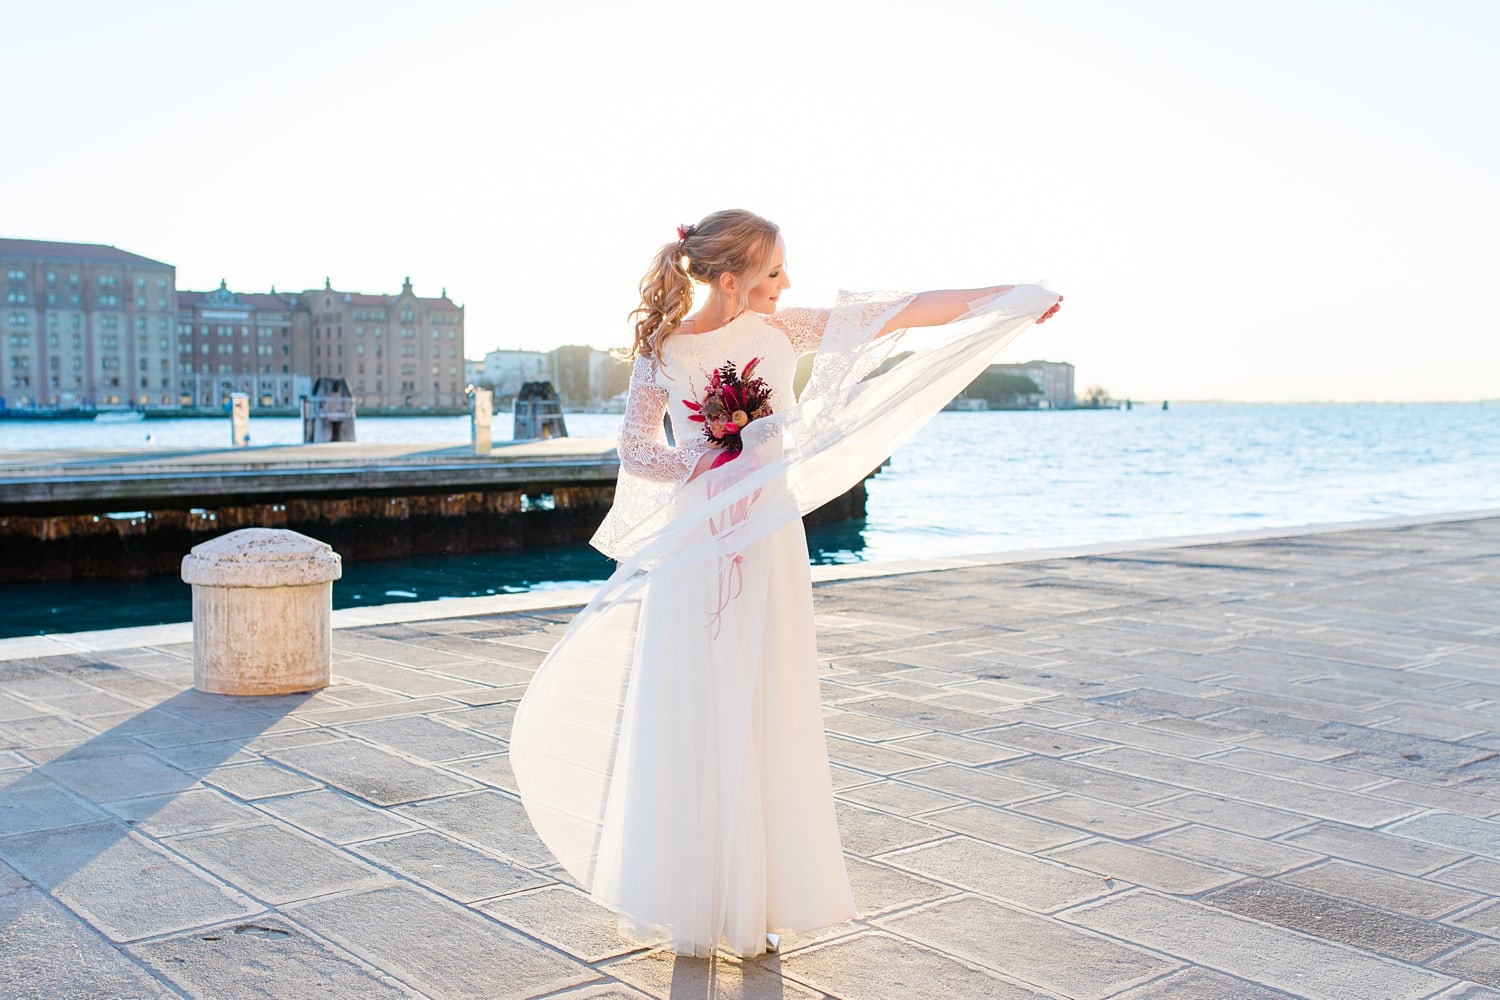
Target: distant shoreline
x=86, y=416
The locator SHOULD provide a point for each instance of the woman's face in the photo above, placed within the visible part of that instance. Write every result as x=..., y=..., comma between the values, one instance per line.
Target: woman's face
x=762, y=292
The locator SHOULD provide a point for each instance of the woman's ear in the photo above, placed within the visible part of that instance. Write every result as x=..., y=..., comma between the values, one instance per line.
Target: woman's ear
x=729, y=284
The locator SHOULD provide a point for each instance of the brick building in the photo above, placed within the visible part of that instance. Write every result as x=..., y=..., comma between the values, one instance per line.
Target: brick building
x=400, y=352
x=237, y=342
x=86, y=326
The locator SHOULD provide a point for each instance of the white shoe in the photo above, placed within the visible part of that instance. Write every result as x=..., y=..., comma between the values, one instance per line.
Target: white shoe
x=773, y=942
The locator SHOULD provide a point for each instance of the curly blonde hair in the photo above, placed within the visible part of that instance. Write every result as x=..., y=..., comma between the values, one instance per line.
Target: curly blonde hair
x=730, y=242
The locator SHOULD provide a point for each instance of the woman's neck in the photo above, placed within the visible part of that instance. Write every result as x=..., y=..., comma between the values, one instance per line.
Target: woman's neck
x=718, y=311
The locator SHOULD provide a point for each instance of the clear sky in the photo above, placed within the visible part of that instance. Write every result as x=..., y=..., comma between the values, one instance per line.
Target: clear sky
x=1269, y=201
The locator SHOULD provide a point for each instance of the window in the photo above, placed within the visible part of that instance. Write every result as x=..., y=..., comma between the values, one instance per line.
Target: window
x=18, y=298
x=109, y=343
x=109, y=280
x=16, y=274
x=109, y=322
x=51, y=277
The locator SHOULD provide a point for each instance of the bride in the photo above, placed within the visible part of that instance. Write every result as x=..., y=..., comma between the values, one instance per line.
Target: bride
x=670, y=750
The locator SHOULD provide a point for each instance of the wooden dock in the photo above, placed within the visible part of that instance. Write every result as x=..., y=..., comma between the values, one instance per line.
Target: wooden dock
x=132, y=513
x=124, y=514
x=95, y=481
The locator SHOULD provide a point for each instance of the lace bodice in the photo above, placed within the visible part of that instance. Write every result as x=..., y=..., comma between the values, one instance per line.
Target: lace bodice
x=661, y=385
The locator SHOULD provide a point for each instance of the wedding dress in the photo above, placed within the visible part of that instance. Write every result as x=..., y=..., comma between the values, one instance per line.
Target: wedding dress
x=670, y=749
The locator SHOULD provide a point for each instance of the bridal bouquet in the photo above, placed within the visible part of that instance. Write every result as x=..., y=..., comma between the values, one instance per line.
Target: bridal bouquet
x=733, y=399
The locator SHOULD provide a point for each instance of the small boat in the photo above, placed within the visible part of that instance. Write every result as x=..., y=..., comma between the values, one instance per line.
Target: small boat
x=119, y=416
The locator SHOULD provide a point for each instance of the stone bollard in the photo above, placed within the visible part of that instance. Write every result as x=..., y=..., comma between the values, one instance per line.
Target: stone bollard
x=239, y=419
x=262, y=612
x=484, y=408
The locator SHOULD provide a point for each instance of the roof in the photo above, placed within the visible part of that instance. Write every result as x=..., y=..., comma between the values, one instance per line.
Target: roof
x=83, y=253
x=224, y=298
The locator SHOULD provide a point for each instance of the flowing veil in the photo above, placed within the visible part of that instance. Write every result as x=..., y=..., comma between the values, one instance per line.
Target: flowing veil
x=566, y=735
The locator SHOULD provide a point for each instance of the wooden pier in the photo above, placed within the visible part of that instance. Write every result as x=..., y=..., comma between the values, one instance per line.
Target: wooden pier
x=131, y=513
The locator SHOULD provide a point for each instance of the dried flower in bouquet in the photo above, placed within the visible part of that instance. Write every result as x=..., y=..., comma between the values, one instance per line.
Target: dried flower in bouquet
x=732, y=400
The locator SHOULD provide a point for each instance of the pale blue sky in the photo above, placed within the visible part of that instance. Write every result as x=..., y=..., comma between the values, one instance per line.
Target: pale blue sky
x=1265, y=200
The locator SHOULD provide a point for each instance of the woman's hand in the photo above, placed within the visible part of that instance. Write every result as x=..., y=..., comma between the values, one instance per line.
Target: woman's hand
x=1051, y=312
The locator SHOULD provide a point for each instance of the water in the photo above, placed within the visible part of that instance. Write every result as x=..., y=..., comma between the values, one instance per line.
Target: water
x=968, y=483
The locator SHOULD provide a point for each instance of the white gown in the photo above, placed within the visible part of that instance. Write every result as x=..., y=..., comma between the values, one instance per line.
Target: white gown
x=670, y=750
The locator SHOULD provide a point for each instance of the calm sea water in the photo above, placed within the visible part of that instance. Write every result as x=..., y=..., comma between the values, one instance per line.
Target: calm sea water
x=968, y=483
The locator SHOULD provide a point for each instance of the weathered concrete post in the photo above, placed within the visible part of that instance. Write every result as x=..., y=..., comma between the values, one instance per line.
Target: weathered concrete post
x=262, y=612
x=239, y=419
x=484, y=403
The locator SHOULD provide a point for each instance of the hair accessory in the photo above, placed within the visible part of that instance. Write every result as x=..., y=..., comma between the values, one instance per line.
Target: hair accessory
x=681, y=233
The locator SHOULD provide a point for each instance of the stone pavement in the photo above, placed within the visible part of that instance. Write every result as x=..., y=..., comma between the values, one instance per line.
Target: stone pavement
x=1240, y=770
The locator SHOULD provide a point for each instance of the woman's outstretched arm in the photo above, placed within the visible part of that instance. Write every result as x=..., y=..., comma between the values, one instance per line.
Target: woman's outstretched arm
x=944, y=305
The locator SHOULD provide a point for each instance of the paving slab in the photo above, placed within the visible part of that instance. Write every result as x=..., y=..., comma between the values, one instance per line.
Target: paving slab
x=1137, y=772
x=259, y=958
x=1026, y=947
x=1193, y=932
x=48, y=952
x=439, y=947
x=1365, y=927
x=124, y=885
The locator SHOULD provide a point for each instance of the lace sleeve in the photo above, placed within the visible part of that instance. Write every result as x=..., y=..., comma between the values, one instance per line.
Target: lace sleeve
x=644, y=451
x=803, y=327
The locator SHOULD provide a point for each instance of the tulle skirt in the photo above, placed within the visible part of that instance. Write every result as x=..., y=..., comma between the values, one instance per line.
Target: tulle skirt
x=720, y=824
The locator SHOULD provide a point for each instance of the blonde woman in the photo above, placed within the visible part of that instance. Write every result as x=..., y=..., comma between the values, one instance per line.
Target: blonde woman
x=670, y=750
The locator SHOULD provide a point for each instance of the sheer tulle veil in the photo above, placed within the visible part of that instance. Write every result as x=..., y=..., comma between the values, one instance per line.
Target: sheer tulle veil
x=566, y=734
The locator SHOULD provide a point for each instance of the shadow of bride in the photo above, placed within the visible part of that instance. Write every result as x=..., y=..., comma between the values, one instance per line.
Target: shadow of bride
x=722, y=978
x=68, y=822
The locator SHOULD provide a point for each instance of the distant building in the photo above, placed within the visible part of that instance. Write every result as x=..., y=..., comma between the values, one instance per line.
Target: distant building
x=237, y=342
x=506, y=371
x=586, y=378
x=1054, y=378
x=401, y=352
x=86, y=326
